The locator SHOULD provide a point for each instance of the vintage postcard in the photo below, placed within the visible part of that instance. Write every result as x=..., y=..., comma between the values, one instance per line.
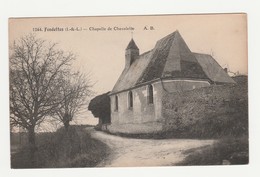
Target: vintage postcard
x=128, y=91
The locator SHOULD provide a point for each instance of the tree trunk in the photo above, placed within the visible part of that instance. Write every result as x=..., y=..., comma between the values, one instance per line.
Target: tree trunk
x=32, y=145
x=31, y=137
x=66, y=125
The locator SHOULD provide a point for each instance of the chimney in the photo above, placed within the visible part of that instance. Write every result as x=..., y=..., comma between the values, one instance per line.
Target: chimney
x=226, y=70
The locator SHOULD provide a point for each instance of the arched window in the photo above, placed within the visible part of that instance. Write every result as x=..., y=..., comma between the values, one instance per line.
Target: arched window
x=130, y=100
x=150, y=94
x=116, y=103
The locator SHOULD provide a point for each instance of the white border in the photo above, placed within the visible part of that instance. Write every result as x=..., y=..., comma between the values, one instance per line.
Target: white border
x=50, y=8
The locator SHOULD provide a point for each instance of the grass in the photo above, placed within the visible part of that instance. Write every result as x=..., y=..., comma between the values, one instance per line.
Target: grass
x=62, y=149
x=227, y=150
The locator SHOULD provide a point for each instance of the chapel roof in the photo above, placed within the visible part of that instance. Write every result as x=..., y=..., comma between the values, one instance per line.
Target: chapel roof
x=212, y=69
x=170, y=58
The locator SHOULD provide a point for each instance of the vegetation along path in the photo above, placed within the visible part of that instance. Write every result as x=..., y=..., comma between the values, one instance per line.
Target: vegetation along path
x=145, y=152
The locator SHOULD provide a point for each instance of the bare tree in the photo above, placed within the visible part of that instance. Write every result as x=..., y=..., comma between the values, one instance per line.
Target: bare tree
x=75, y=90
x=35, y=66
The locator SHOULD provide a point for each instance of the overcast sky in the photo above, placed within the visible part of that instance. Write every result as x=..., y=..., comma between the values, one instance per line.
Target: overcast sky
x=102, y=52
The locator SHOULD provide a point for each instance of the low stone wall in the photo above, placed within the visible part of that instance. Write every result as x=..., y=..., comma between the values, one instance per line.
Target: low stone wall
x=184, y=109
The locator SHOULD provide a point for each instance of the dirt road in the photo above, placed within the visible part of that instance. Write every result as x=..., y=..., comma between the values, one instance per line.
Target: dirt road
x=130, y=152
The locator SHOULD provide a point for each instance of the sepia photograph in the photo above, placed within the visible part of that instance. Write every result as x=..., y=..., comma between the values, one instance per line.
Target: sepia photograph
x=128, y=91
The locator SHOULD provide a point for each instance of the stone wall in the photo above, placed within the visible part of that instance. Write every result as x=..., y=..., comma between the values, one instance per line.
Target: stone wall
x=145, y=117
x=142, y=116
x=183, y=109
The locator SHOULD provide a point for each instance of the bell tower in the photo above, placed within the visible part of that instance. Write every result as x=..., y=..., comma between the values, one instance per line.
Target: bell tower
x=131, y=53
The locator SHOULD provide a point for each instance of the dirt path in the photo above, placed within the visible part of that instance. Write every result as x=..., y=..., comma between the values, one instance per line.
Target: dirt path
x=129, y=152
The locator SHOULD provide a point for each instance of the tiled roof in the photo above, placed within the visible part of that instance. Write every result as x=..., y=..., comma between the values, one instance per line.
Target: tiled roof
x=170, y=58
x=212, y=69
x=130, y=76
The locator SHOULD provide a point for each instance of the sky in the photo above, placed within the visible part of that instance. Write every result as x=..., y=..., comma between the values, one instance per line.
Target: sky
x=99, y=42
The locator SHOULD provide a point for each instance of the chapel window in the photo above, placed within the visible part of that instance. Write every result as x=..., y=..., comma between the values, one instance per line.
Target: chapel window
x=116, y=103
x=130, y=100
x=150, y=94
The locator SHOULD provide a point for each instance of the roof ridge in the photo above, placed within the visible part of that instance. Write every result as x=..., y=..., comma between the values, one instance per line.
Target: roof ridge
x=170, y=63
x=161, y=48
x=196, y=53
x=166, y=37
